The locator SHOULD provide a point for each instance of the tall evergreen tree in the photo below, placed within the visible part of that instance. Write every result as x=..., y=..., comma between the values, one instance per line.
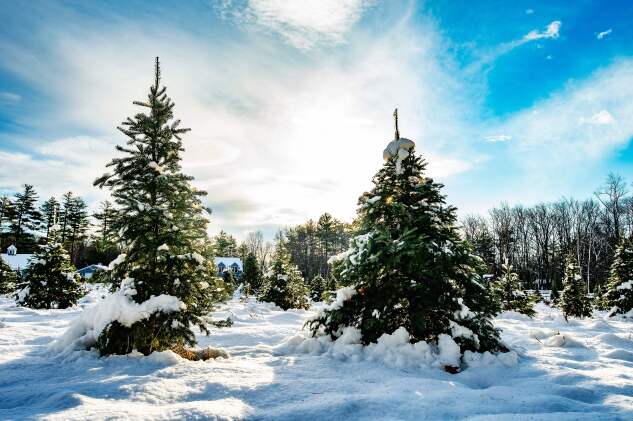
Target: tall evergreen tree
x=574, y=301
x=50, y=280
x=408, y=265
x=6, y=216
x=49, y=211
x=8, y=278
x=225, y=245
x=26, y=217
x=283, y=283
x=252, y=274
x=161, y=225
x=105, y=217
x=507, y=287
x=619, y=295
x=77, y=223
x=64, y=214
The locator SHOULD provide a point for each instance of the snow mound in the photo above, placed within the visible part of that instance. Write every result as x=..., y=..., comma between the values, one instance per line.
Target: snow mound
x=84, y=331
x=392, y=350
x=513, y=315
x=395, y=146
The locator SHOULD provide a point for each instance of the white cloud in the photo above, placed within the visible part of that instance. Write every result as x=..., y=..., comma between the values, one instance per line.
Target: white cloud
x=498, y=138
x=303, y=24
x=551, y=31
x=559, y=128
x=600, y=118
x=603, y=34
x=529, y=11
x=274, y=140
x=9, y=97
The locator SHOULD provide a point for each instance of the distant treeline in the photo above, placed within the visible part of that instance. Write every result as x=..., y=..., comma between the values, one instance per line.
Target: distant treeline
x=534, y=239
x=537, y=238
x=26, y=222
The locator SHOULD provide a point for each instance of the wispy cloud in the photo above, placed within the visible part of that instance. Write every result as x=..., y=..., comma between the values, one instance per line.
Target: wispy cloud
x=603, y=34
x=498, y=138
x=303, y=24
x=9, y=97
x=262, y=141
x=551, y=31
x=600, y=118
x=574, y=125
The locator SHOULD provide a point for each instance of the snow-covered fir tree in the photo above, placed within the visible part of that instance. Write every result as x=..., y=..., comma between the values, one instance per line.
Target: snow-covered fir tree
x=162, y=229
x=574, y=300
x=283, y=283
x=408, y=266
x=50, y=279
x=251, y=275
x=507, y=288
x=8, y=279
x=619, y=295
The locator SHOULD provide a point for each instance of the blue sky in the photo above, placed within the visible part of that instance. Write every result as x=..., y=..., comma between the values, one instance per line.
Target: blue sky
x=290, y=102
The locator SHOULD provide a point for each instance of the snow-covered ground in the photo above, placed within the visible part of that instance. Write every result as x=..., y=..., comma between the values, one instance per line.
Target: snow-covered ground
x=581, y=370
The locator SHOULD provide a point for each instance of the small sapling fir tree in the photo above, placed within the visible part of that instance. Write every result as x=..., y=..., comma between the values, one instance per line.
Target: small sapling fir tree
x=574, y=300
x=283, y=283
x=408, y=266
x=507, y=288
x=251, y=275
x=8, y=279
x=162, y=229
x=50, y=280
x=619, y=295
x=318, y=286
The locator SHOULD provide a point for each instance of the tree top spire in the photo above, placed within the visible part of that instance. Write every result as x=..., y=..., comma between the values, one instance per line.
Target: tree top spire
x=395, y=118
x=157, y=74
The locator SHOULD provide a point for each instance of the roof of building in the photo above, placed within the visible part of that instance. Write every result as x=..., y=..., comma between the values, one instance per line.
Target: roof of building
x=16, y=261
x=92, y=268
x=228, y=261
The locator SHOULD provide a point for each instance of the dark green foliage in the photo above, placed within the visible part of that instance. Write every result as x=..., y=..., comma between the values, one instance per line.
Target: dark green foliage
x=230, y=283
x=49, y=211
x=600, y=301
x=25, y=217
x=409, y=267
x=619, y=295
x=311, y=244
x=574, y=301
x=8, y=278
x=160, y=225
x=318, y=286
x=554, y=295
x=50, y=280
x=507, y=288
x=225, y=245
x=283, y=284
x=73, y=220
x=251, y=275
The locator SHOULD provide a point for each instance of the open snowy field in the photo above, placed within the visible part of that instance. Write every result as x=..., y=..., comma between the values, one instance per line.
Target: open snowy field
x=564, y=371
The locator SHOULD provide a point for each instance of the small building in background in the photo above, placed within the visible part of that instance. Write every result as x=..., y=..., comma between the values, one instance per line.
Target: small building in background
x=17, y=262
x=232, y=264
x=88, y=271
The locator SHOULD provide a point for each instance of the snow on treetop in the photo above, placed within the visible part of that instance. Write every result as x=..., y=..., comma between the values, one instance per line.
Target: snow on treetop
x=395, y=146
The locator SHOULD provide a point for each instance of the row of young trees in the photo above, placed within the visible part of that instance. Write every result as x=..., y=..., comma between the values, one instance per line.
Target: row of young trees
x=537, y=239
